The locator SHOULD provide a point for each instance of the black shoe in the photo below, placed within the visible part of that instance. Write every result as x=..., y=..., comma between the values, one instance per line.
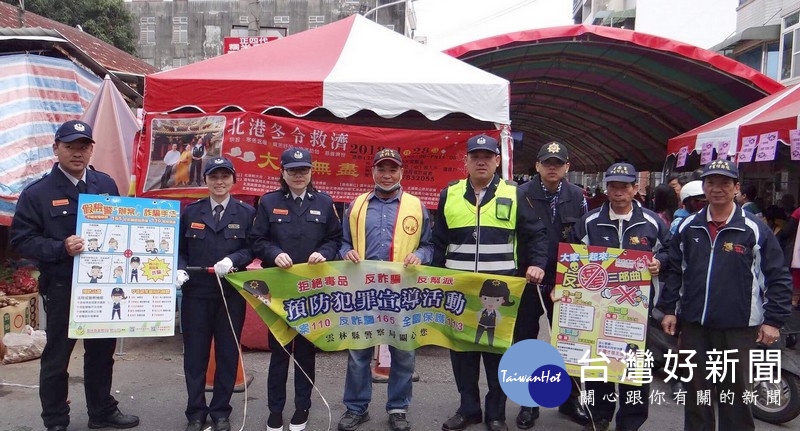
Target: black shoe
x=299, y=420
x=496, y=425
x=459, y=422
x=275, y=422
x=527, y=417
x=351, y=421
x=573, y=408
x=196, y=425
x=57, y=428
x=599, y=425
x=398, y=422
x=114, y=420
x=221, y=424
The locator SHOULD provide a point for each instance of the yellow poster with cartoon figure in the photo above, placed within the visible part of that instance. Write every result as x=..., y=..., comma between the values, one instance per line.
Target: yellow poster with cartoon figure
x=600, y=314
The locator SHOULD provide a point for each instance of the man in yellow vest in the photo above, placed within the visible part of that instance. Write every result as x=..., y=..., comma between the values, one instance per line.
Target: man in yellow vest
x=482, y=224
x=391, y=225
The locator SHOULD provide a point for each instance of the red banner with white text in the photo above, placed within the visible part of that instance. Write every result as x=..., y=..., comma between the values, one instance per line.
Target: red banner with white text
x=175, y=147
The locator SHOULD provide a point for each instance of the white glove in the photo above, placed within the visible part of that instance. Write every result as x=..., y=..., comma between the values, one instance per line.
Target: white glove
x=182, y=277
x=223, y=267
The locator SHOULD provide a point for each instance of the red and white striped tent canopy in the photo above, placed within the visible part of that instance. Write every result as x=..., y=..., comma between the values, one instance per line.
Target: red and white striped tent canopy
x=779, y=112
x=345, y=67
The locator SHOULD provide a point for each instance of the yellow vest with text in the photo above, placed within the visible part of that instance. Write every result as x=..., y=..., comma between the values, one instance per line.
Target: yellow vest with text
x=407, y=226
x=485, y=240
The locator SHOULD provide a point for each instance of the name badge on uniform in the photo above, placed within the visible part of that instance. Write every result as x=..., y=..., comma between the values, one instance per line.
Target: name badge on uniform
x=280, y=211
x=60, y=202
x=233, y=226
x=315, y=212
x=198, y=226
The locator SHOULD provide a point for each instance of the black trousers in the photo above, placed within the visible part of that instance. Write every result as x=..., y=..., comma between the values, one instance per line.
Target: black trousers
x=467, y=370
x=732, y=415
x=98, y=365
x=630, y=416
x=530, y=311
x=196, y=171
x=204, y=319
x=303, y=351
x=165, y=176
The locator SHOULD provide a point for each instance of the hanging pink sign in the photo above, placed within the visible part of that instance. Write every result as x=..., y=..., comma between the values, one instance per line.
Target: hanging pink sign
x=766, y=147
x=681, y=162
x=706, y=153
x=748, y=147
x=794, y=140
x=723, y=149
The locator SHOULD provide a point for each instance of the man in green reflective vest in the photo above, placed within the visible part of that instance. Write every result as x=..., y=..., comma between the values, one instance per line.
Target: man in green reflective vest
x=482, y=224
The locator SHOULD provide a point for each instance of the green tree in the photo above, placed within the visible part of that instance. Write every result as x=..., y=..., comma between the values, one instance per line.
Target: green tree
x=107, y=20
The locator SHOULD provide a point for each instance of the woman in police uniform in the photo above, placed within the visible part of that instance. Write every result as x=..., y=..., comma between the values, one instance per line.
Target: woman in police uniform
x=213, y=232
x=296, y=224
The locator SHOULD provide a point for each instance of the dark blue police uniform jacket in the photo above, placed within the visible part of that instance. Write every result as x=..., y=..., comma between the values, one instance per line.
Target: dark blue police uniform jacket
x=46, y=215
x=204, y=243
x=281, y=227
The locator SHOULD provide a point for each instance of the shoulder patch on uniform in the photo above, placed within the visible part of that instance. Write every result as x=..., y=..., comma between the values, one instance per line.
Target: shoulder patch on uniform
x=37, y=180
x=452, y=183
x=324, y=194
x=511, y=183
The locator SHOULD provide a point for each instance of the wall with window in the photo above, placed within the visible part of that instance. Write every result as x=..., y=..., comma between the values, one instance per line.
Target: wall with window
x=755, y=13
x=176, y=33
x=790, y=45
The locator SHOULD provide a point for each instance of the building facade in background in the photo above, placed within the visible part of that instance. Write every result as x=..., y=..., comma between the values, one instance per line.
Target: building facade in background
x=176, y=33
x=767, y=38
x=610, y=13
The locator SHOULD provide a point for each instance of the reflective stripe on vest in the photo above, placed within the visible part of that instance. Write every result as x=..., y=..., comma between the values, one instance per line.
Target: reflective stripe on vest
x=490, y=247
x=407, y=227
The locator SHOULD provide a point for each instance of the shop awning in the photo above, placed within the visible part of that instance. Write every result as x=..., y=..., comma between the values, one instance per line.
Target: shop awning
x=779, y=112
x=765, y=32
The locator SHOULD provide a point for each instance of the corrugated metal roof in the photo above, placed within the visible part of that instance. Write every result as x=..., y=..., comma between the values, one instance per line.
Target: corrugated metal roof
x=108, y=56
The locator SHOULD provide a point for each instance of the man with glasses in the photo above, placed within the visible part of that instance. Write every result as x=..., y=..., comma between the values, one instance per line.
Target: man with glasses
x=559, y=205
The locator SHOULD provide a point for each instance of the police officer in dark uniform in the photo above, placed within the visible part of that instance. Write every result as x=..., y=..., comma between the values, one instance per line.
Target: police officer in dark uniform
x=559, y=205
x=295, y=224
x=214, y=233
x=622, y=223
x=44, y=229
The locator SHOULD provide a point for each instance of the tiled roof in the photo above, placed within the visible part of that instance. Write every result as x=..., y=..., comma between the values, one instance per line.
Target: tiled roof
x=110, y=57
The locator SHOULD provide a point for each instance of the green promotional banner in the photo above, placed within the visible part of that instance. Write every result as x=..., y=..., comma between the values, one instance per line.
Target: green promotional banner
x=341, y=305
